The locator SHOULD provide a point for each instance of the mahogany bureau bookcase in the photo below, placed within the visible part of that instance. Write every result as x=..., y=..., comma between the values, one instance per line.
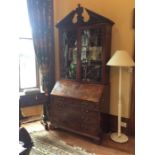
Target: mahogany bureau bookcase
x=80, y=99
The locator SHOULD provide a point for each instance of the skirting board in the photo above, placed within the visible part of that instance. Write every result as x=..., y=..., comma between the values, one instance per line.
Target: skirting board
x=112, y=124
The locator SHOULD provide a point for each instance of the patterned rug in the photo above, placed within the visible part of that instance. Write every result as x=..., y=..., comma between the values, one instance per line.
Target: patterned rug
x=46, y=145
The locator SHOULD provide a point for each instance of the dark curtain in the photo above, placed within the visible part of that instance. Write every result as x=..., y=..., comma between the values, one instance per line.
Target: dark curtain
x=41, y=20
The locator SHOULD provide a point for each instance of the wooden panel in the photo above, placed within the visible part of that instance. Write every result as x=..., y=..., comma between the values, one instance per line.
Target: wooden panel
x=89, y=92
x=113, y=124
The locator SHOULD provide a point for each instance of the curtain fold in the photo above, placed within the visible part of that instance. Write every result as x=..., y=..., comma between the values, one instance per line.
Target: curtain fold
x=41, y=20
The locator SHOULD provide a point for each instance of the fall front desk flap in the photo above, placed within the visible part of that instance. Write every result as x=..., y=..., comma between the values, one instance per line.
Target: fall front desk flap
x=77, y=90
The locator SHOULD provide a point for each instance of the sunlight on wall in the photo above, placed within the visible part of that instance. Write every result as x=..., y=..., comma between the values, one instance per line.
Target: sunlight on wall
x=32, y=111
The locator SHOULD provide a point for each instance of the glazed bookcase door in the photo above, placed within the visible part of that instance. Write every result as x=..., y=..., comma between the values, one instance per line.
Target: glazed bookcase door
x=68, y=54
x=91, y=54
x=85, y=47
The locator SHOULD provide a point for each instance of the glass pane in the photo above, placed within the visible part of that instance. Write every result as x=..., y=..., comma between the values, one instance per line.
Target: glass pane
x=24, y=23
x=27, y=64
x=91, y=55
x=69, y=55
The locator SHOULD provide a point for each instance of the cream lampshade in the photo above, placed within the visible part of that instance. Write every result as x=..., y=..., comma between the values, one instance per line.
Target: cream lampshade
x=120, y=59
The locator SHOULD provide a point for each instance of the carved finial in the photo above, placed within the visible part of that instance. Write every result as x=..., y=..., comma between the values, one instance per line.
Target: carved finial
x=79, y=11
x=79, y=5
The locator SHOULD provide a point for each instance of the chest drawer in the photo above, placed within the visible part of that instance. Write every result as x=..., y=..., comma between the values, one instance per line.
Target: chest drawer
x=90, y=122
x=64, y=113
x=75, y=115
x=89, y=105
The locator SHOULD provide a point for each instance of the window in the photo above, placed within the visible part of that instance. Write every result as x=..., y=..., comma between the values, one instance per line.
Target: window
x=28, y=71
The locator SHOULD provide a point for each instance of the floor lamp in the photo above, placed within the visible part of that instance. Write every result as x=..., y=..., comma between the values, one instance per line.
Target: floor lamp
x=120, y=59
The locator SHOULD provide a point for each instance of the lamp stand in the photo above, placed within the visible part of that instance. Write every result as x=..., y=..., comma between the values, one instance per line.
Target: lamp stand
x=118, y=136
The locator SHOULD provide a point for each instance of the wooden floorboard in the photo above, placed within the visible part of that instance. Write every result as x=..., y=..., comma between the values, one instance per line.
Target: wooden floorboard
x=74, y=139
